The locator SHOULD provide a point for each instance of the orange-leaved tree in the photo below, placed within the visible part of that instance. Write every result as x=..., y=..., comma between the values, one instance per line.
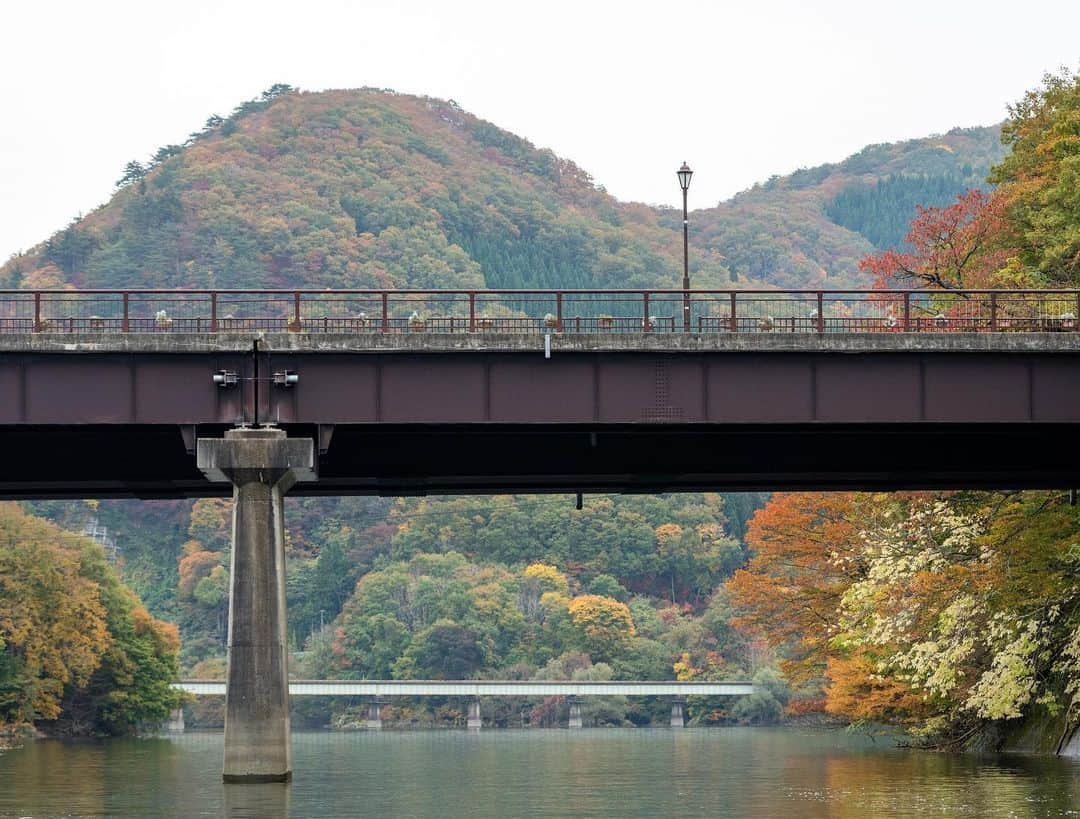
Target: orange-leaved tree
x=805, y=550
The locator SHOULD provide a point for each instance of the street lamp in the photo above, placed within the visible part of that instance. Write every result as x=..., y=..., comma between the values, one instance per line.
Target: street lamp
x=684, y=173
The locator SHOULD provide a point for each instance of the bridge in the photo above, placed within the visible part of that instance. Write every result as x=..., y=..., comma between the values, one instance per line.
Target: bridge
x=258, y=393
x=487, y=688
x=104, y=394
x=381, y=690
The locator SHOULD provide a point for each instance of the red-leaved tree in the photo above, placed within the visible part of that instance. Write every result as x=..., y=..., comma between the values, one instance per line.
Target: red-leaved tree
x=952, y=248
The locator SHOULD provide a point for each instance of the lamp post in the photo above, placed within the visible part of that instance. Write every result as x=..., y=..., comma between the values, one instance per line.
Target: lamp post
x=684, y=173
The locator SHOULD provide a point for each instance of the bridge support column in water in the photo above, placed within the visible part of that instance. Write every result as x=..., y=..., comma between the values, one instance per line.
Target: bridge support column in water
x=678, y=709
x=175, y=723
x=374, y=715
x=262, y=465
x=475, y=722
x=575, y=713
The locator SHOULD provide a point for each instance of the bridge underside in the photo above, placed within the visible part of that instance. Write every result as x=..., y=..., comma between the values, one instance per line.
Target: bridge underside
x=152, y=461
x=101, y=416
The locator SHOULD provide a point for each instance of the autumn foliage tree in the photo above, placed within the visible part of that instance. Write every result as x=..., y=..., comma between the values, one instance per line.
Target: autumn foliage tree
x=954, y=247
x=78, y=652
x=52, y=621
x=604, y=626
x=805, y=552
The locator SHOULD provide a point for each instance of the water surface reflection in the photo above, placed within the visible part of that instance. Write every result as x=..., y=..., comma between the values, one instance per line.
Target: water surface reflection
x=594, y=773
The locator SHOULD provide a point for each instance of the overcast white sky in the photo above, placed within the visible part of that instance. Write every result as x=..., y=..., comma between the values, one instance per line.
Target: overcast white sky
x=628, y=90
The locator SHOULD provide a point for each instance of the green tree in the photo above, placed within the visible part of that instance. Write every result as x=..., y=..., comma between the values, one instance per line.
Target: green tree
x=1039, y=179
x=443, y=651
x=134, y=171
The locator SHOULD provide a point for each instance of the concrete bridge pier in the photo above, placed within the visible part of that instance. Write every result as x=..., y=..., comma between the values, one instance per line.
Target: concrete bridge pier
x=374, y=714
x=175, y=723
x=262, y=465
x=575, y=713
x=475, y=722
x=678, y=712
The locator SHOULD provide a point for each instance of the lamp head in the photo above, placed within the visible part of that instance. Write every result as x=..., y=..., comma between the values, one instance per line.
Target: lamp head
x=684, y=173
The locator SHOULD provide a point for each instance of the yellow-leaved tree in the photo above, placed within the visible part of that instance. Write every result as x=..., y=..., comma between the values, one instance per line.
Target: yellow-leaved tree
x=603, y=626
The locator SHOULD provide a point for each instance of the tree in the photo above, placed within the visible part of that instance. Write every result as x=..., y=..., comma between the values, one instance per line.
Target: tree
x=605, y=585
x=1040, y=178
x=167, y=151
x=806, y=552
x=53, y=626
x=953, y=247
x=76, y=647
x=276, y=90
x=766, y=705
x=604, y=626
x=444, y=651
x=134, y=171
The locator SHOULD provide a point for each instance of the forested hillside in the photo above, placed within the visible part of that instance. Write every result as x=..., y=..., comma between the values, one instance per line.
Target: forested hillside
x=370, y=189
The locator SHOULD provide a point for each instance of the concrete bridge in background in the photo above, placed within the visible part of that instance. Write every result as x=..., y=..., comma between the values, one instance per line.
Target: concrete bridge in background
x=256, y=393
x=488, y=688
x=381, y=691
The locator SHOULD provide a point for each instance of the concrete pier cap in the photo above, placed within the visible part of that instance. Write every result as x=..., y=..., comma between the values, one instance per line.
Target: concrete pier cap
x=257, y=454
x=262, y=464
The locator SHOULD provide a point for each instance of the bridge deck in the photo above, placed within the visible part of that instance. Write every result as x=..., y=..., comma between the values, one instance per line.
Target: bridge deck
x=485, y=688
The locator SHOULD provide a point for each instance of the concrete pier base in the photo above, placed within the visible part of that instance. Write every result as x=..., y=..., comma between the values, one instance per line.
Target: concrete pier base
x=175, y=723
x=678, y=712
x=262, y=465
x=374, y=715
x=475, y=722
x=575, y=714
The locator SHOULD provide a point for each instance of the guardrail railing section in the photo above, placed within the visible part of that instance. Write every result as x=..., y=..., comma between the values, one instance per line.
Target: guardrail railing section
x=621, y=312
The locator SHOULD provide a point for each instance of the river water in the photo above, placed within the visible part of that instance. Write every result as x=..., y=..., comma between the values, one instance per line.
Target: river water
x=710, y=772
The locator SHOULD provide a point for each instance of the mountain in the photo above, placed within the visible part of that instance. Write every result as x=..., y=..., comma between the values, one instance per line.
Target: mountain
x=369, y=188
x=811, y=228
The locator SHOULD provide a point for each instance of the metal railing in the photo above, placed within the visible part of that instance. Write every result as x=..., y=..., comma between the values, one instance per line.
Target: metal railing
x=538, y=311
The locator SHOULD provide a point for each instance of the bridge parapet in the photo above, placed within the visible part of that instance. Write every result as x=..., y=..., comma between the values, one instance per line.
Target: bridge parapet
x=589, y=312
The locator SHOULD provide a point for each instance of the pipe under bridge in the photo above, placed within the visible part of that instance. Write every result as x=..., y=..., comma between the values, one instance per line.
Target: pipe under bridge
x=256, y=393
x=380, y=692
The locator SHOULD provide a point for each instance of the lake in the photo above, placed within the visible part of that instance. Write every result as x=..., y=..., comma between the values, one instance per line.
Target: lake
x=693, y=772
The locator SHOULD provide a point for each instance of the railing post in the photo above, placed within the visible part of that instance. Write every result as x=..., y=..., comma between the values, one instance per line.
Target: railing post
x=820, y=312
x=385, y=312
x=294, y=325
x=993, y=312
x=734, y=315
x=213, y=312
x=907, y=311
x=1076, y=321
x=124, y=321
x=646, y=325
x=472, y=312
x=558, y=311
x=37, y=312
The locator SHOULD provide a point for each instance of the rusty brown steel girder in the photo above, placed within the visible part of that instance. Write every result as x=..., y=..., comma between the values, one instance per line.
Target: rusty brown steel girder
x=99, y=415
